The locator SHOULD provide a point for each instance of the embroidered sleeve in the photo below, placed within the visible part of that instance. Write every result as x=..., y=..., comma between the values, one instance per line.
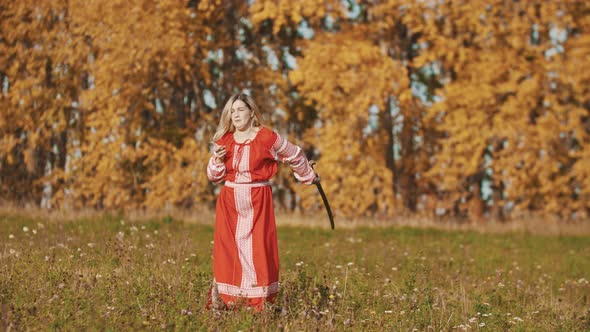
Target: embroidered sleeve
x=292, y=154
x=215, y=171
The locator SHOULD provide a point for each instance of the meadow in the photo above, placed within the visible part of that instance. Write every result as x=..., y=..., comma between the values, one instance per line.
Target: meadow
x=108, y=273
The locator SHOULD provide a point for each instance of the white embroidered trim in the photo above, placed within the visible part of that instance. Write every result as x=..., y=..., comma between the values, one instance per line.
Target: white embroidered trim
x=215, y=172
x=242, y=166
x=283, y=144
x=249, y=185
x=243, y=236
x=249, y=292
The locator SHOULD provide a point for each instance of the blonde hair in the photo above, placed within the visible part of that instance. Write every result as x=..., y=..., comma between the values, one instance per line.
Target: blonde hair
x=225, y=124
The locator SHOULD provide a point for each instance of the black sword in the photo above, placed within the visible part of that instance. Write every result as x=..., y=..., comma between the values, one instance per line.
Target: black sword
x=324, y=198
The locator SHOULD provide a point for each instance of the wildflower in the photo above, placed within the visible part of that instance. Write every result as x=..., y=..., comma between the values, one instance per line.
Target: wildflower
x=10, y=236
x=338, y=266
x=25, y=229
x=472, y=320
x=34, y=231
x=518, y=319
x=388, y=311
x=91, y=245
x=482, y=324
x=394, y=268
x=350, y=264
x=500, y=285
x=299, y=264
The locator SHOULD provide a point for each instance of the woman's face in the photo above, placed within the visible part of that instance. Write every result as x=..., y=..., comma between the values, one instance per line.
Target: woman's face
x=241, y=115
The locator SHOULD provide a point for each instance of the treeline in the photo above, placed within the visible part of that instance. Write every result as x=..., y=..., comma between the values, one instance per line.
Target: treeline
x=462, y=108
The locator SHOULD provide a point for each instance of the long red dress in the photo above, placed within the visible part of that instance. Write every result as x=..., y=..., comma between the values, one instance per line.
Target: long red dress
x=245, y=252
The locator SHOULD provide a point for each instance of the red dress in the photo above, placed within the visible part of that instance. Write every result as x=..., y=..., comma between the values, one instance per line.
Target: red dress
x=245, y=252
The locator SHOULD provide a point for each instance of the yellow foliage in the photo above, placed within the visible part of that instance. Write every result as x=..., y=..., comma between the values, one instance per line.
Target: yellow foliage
x=440, y=103
x=333, y=75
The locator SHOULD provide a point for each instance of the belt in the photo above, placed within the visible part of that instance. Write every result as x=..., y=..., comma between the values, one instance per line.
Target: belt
x=246, y=185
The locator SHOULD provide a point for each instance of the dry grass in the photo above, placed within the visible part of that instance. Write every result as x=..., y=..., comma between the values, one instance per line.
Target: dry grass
x=531, y=225
x=112, y=273
x=206, y=216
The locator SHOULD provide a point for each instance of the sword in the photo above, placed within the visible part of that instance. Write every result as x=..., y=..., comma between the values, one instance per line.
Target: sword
x=323, y=194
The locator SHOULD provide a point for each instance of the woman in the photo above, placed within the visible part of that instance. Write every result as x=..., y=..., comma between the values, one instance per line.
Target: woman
x=245, y=253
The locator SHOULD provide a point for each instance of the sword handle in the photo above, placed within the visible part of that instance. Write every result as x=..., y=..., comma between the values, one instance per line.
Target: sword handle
x=322, y=194
x=312, y=163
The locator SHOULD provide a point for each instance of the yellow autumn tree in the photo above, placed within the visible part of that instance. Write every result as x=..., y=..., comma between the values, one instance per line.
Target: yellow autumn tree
x=459, y=108
x=500, y=109
x=40, y=81
x=349, y=81
x=135, y=120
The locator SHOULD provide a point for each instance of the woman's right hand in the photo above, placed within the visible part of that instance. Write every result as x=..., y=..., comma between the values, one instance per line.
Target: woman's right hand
x=219, y=154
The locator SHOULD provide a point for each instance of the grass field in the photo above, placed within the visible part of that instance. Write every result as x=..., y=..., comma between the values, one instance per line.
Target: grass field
x=110, y=274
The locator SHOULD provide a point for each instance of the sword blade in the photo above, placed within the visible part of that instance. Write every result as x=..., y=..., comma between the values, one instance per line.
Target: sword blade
x=326, y=204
